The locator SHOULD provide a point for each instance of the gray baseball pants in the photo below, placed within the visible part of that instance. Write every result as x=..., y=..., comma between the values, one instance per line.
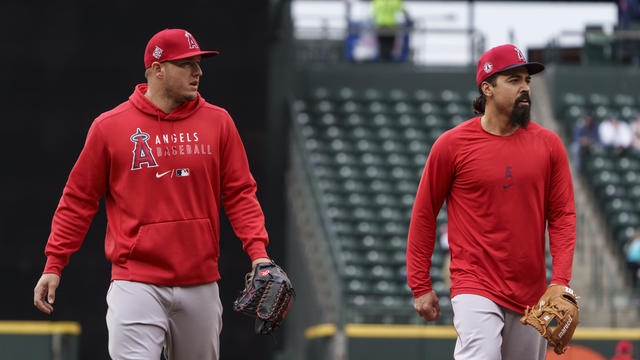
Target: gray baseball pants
x=142, y=318
x=488, y=331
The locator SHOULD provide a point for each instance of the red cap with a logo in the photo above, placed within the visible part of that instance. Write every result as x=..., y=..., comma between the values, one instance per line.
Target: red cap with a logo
x=502, y=58
x=172, y=44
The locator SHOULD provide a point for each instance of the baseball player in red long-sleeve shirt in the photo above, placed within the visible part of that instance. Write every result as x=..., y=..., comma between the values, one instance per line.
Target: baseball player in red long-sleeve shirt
x=165, y=161
x=504, y=180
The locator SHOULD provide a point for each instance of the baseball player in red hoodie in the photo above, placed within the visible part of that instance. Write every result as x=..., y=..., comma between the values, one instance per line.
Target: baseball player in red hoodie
x=165, y=160
x=505, y=181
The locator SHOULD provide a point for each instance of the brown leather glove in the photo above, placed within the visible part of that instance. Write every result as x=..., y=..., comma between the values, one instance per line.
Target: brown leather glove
x=560, y=303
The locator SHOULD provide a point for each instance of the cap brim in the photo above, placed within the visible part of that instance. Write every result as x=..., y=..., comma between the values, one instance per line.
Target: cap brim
x=532, y=67
x=204, y=54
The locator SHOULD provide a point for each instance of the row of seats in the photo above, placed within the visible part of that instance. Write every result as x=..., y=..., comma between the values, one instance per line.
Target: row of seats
x=425, y=115
x=392, y=95
x=382, y=107
x=597, y=99
x=572, y=106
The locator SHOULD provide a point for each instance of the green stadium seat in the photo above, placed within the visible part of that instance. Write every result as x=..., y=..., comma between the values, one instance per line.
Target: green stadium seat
x=362, y=301
x=346, y=93
x=455, y=109
x=357, y=199
x=350, y=107
x=377, y=107
x=634, y=192
x=624, y=100
x=432, y=121
x=403, y=108
x=619, y=204
x=573, y=99
x=358, y=286
x=320, y=93
x=411, y=133
x=429, y=108
x=397, y=95
x=349, y=242
x=422, y=95
x=324, y=106
x=388, y=133
x=625, y=218
x=418, y=147
x=456, y=120
x=386, y=287
x=390, y=213
x=379, y=271
x=352, y=257
x=627, y=113
x=471, y=96
x=595, y=99
x=372, y=94
x=328, y=119
x=449, y=95
x=408, y=121
x=354, y=120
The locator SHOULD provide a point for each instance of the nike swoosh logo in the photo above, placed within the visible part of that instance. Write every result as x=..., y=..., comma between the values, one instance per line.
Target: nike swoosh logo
x=163, y=174
x=506, y=186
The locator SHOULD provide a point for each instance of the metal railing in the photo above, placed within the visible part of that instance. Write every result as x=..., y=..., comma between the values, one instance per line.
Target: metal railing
x=328, y=42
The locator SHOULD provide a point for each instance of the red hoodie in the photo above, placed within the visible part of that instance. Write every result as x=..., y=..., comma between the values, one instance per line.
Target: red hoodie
x=163, y=176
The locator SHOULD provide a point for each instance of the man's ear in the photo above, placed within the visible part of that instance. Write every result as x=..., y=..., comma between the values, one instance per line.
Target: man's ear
x=487, y=89
x=157, y=70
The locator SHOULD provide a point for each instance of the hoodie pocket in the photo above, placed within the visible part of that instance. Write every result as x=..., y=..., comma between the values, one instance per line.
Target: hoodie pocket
x=184, y=251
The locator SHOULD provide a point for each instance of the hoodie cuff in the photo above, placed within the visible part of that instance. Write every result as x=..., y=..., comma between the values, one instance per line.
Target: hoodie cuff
x=256, y=249
x=53, y=266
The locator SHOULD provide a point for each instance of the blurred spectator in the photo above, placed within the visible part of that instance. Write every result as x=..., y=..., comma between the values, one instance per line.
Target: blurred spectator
x=628, y=11
x=633, y=258
x=385, y=14
x=635, y=130
x=615, y=133
x=624, y=350
x=585, y=138
x=628, y=19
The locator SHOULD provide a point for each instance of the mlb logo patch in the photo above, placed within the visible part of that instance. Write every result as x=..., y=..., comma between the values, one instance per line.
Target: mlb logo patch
x=182, y=172
x=157, y=53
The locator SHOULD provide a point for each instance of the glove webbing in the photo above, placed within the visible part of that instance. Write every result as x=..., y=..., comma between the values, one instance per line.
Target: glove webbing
x=542, y=322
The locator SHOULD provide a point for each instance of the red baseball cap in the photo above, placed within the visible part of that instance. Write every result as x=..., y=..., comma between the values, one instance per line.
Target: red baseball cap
x=172, y=44
x=502, y=58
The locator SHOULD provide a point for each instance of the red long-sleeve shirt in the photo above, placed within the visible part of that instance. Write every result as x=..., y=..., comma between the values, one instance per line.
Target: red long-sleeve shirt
x=164, y=176
x=501, y=192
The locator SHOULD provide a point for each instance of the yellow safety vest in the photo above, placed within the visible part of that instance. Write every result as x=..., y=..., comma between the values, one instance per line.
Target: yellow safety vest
x=384, y=11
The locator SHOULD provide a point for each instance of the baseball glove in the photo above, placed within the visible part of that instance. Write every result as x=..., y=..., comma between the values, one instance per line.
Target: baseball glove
x=559, y=303
x=266, y=296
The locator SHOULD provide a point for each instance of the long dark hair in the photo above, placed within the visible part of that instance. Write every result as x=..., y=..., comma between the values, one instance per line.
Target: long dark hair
x=480, y=102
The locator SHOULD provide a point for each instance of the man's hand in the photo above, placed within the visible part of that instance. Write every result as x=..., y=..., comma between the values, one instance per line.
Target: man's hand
x=427, y=306
x=44, y=293
x=258, y=261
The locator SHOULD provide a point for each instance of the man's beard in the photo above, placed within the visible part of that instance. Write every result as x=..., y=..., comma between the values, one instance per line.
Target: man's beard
x=520, y=115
